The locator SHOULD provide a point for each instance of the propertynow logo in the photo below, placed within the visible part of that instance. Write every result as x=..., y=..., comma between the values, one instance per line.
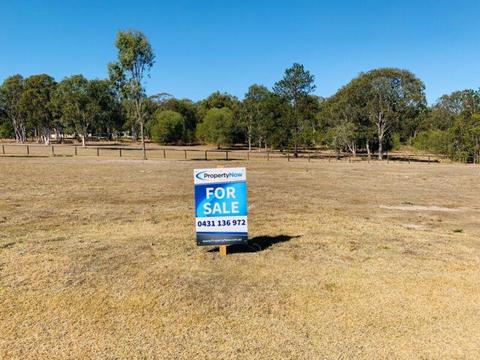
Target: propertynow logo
x=205, y=175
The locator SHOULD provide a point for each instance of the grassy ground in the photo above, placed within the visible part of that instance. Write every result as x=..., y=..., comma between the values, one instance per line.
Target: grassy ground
x=98, y=260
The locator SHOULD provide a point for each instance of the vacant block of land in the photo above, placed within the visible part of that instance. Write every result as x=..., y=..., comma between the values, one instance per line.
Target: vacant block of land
x=98, y=260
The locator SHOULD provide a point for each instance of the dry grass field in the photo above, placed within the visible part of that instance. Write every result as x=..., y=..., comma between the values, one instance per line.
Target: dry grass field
x=98, y=260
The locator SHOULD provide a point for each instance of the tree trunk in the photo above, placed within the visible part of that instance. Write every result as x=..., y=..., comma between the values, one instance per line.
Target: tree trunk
x=57, y=135
x=16, y=130
x=17, y=135
x=249, y=142
x=142, y=135
x=477, y=150
x=380, y=147
x=83, y=139
x=22, y=132
x=46, y=135
x=60, y=134
x=134, y=134
x=368, y=150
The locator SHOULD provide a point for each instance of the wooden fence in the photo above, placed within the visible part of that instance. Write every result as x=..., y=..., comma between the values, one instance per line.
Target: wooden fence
x=197, y=154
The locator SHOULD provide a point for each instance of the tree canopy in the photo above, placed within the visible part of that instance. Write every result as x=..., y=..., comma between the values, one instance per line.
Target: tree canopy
x=374, y=112
x=135, y=59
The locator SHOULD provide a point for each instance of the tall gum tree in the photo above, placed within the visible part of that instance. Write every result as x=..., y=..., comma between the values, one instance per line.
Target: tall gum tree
x=253, y=111
x=11, y=92
x=135, y=59
x=37, y=102
x=390, y=96
x=84, y=104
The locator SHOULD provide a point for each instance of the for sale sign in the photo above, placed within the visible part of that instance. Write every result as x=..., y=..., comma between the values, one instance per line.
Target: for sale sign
x=221, y=206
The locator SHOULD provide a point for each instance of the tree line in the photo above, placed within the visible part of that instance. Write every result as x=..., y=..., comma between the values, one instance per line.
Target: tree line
x=378, y=110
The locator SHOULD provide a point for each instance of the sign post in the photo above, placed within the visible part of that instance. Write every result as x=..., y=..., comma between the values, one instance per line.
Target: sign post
x=221, y=207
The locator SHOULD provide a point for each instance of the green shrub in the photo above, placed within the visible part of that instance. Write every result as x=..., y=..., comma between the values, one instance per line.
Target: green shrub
x=217, y=127
x=6, y=130
x=167, y=127
x=396, y=143
x=436, y=141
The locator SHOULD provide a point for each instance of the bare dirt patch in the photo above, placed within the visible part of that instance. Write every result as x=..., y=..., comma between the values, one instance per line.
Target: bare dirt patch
x=417, y=208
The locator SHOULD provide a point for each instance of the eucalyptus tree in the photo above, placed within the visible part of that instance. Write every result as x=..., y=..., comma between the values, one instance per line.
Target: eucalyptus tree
x=344, y=119
x=458, y=102
x=297, y=83
x=254, y=110
x=11, y=92
x=464, y=137
x=388, y=96
x=393, y=95
x=218, y=100
x=84, y=104
x=37, y=103
x=72, y=98
x=104, y=107
x=135, y=60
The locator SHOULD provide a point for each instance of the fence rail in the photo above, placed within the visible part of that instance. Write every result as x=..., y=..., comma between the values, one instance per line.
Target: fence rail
x=32, y=150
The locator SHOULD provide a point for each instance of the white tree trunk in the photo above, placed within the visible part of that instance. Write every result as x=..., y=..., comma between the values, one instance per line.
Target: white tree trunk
x=142, y=135
x=380, y=147
x=46, y=135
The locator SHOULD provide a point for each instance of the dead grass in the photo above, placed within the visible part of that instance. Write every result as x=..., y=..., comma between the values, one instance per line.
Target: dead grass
x=93, y=265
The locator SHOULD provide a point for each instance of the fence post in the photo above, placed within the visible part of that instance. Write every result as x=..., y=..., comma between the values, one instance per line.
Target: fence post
x=409, y=158
x=288, y=156
x=75, y=150
x=308, y=157
x=185, y=153
x=206, y=155
x=164, y=154
x=268, y=155
x=226, y=155
x=120, y=152
x=28, y=150
x=248, y=155
x=53, y=151
x=98, y=151
x=3, y=149
x=429, y=159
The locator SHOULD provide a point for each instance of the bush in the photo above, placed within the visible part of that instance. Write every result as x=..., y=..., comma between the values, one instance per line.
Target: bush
x=217, y=127
x=396, y=142
x=436, y=141
x=167, y=127
x=6, y=130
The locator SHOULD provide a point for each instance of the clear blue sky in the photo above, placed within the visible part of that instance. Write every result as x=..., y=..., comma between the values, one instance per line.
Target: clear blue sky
x=203, y=46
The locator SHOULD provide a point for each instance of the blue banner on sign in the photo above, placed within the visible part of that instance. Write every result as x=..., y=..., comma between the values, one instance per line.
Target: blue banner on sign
x=220, y=200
